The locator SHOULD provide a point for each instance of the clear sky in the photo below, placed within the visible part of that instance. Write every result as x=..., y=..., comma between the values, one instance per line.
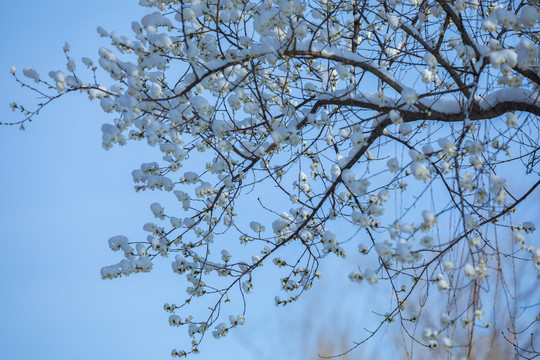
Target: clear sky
x=62, y=196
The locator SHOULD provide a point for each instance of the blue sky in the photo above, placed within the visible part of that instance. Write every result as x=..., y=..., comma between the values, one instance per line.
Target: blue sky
x=62, y=196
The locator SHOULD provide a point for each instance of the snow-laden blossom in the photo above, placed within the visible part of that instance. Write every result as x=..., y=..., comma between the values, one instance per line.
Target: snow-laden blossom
x=416, y=155
x=466, y=181
x=497, y=184
x=403, y=253
x=481, y=197
x=506, y=56
x=471, y=221
x=395, y=116
x=157, y=210
x=371, y=276
x=527, y=53
x=445, y=319
x=237, y=320
x=420, y=171
x=225, y=255
x=518, y=237
x=409, y=96
x=447, y=342
x=31, y=74
x=506, y=18
x=255, y=259
x=474, y=147
x=469, y=271
x=175, y=320
x=427, y=76
x=474, y=242
x=528, y=226
x=201, y=105
x=220, y=331
x=448, y=146
x=448, y=266
x=442, y=283
x=393, y=165
x=429, y=220
x=175, y=222
x=528, y=16
x=430, y=333
x=393, y=21
x=427, y=242
x=257, y=227
x=430, y=60
x=361, y=219
x=356, y=276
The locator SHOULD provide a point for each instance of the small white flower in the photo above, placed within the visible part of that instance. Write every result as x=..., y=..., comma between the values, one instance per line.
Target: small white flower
x=225, y=255
x=430, y=333
x=175, y=320
x=427, y=242
x=479, y=313
x=448, y=266
x=469, y=271
x=443, y=284
x=445, y=319
x=447, y=342
x=355, y=276
x=511, y=119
